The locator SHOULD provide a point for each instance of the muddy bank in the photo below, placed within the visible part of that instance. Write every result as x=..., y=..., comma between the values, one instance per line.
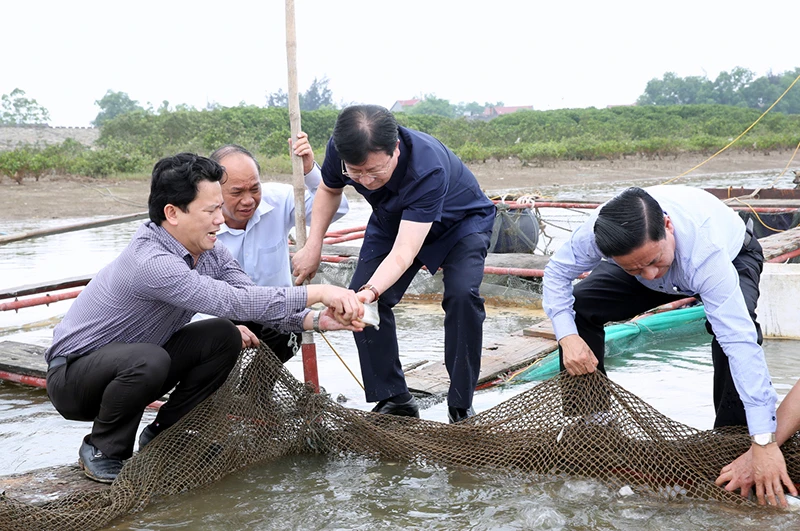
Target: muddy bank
x=71, y=197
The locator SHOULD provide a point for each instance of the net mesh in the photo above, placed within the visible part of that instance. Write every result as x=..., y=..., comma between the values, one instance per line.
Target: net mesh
x=576, y=426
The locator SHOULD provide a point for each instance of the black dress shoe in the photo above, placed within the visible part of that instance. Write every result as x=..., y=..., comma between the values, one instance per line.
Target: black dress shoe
x=96, y=465
x=456, y=414
x=145, y=437
x=408, y=408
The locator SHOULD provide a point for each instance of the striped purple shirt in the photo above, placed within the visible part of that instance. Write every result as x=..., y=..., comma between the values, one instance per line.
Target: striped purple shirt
x=151, y=290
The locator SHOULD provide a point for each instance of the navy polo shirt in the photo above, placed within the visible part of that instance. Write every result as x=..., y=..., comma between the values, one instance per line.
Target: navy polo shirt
x=429, y=185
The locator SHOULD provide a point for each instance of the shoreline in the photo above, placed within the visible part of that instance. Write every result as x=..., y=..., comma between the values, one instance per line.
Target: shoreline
x=59, y=197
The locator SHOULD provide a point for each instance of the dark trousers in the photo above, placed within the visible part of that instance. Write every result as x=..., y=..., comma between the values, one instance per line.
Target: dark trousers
x=610, y=294
x=112, y=385
x=463, y=323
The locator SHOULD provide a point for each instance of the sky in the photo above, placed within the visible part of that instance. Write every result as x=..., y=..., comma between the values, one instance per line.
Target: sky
x=550, y=55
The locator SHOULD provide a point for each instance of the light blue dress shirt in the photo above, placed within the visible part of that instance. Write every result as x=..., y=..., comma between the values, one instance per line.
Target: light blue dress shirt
x=262, y=247
x=708, y=236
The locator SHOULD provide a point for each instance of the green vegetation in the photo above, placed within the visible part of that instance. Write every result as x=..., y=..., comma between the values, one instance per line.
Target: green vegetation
x=674, y=116
x=133, y=142
x=16, y=109
x=739, y=88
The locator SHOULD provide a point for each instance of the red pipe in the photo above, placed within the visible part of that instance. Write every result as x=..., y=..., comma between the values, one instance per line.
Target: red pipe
x=785, y=256
x=345, y=238
x=16, y=304
x=516, y=271
x=554, y=204
x=34, y=381
x=310, y=372
x=342, y=232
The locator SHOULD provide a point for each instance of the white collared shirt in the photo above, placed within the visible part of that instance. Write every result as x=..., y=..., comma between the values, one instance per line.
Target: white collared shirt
x=262, y=247
x=708, y=236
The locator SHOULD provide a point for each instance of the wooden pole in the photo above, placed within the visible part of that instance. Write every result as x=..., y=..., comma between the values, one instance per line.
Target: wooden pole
x=309, y=350
x=70, y=228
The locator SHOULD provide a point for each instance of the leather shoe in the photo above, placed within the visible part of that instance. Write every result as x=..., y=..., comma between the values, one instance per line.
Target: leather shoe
x=96, y=465
x=145, y=437
x=457, y=414
x=408, y=408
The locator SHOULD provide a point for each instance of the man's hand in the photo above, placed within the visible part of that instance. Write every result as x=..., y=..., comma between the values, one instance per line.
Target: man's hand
x=578, y=357
x=738, y=474
x=344, y=304
x=305, y=263
x=328, y=322
x=249, y=339
x=769, y=474
x=302, y=148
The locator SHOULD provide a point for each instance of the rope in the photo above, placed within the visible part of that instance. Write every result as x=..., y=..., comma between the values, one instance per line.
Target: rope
x=738, y=137
x=342, y=360
x=753, y=210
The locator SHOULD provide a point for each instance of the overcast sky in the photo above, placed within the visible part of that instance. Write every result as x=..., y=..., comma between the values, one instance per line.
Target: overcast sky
x=550, y=55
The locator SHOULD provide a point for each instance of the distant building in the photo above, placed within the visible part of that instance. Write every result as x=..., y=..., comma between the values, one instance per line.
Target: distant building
x=492, y=111
x=403, y=105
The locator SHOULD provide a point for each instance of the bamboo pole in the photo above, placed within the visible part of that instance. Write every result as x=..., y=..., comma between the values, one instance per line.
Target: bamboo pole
x=70, y=228
x=309, y=349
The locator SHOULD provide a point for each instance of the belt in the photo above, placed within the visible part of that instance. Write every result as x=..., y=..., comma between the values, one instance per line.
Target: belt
x=56, y=362
x=748, y=232
x=747, y=238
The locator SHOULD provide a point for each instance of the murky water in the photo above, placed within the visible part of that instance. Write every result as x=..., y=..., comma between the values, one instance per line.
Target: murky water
x=312, y=492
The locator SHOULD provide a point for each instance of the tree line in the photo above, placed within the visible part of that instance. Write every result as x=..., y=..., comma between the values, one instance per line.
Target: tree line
x=133, y=137
x=132, y=142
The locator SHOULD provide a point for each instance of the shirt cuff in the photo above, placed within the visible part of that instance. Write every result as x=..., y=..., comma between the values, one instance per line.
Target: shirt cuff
x=313, y=178
x=296, y=301
x=761, y=419
x=563, y=325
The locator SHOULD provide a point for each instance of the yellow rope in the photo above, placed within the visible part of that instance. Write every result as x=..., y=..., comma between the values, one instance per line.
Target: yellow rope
x=343, y=362
x=738, y=137
x=787, y=165
x=757, y=216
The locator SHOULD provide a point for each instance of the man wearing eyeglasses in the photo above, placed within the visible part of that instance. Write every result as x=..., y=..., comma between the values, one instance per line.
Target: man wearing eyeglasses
x=428, y=210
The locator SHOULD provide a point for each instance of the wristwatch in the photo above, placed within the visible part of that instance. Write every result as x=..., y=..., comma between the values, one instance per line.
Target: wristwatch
x=315, y=321
x=763, y=439
x=372, y=288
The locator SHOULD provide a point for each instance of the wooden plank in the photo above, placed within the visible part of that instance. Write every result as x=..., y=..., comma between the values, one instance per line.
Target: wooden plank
x=22, y=358
x=507, y=354
x=543, y=328
x=47, y=484
x=780, y=243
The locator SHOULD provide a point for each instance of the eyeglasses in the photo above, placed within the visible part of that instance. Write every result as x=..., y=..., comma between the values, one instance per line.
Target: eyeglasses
x=371, y=175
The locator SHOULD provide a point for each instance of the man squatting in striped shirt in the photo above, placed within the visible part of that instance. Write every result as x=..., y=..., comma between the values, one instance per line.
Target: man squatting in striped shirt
x=125, y=341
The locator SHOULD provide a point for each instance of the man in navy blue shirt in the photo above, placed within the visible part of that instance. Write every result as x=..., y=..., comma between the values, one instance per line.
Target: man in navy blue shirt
x=428, y=210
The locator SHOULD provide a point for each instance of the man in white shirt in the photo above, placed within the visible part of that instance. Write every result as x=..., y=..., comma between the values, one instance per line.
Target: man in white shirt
x=258, y=218
x=646, y=247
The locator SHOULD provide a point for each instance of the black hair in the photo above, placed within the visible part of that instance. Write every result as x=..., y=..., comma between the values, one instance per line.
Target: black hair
x=364, y=129
x=175, y=181
x=230, y=149
x=627, y=222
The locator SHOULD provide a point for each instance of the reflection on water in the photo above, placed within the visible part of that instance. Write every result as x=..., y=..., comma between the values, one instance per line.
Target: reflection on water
x=338, y=492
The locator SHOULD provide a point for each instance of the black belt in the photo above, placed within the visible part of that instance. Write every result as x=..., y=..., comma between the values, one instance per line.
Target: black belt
x=56, y=362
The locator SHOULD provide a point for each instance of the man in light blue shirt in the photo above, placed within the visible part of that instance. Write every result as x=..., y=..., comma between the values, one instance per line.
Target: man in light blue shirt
x=258, y=218
x=649, y=247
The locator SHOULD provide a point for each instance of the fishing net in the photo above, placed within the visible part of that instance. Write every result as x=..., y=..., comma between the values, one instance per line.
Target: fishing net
x=263, y=413
x=514, y=231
